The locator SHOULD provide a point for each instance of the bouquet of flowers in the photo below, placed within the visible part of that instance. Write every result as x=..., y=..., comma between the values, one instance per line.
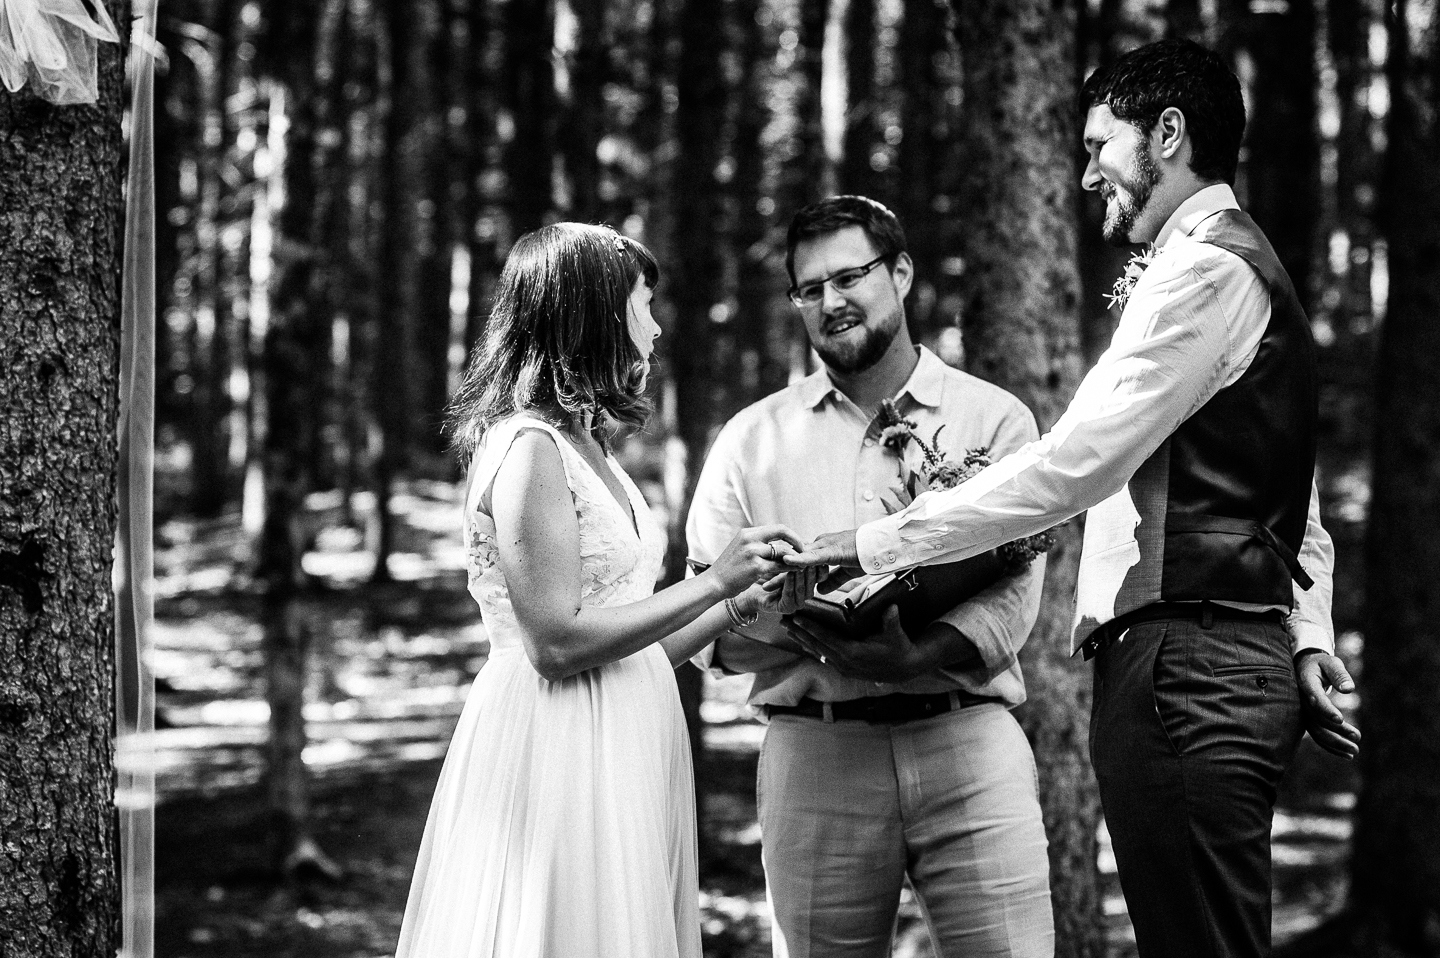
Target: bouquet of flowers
x=937, y=471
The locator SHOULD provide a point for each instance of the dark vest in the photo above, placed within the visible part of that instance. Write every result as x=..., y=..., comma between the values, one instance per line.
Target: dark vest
x=1223, y=502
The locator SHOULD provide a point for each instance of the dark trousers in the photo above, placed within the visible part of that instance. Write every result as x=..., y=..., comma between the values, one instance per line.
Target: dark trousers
x=1191, y=730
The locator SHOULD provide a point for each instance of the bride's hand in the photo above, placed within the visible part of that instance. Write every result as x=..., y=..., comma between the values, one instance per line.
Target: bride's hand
x=753, y=556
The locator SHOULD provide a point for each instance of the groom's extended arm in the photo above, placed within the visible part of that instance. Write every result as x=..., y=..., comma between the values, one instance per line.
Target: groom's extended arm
x=1169, y=356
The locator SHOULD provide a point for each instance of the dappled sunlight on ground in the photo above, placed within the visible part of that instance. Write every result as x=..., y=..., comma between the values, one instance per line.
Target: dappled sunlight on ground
x=390, y=668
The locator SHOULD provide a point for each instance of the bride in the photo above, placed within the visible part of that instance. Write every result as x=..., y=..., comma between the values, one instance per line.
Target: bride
x=563, y=824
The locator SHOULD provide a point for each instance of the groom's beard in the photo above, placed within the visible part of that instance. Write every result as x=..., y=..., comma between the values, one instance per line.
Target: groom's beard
x=865, y=350
x=1122, y=209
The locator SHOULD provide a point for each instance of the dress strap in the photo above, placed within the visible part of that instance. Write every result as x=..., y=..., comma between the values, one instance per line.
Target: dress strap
x=495, y=446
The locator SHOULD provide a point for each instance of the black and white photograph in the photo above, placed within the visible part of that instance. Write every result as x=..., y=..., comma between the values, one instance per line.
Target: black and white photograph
x=719, y=478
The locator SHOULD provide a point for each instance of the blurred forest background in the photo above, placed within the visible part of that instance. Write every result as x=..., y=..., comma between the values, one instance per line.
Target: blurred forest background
x=338, y=183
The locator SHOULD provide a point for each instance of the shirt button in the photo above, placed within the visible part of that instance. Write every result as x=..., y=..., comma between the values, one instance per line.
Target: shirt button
x=890, y=557
x=869, y=442
x=869, y=494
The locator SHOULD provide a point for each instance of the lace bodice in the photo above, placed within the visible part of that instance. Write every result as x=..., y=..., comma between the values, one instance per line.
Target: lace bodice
x=617, y=567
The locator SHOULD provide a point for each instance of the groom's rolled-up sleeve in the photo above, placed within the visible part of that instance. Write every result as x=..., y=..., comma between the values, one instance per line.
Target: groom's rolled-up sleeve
x=1169, y=356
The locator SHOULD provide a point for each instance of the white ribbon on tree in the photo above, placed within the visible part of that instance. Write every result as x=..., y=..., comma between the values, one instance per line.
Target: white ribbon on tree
x=53, y=43
x=134, y=556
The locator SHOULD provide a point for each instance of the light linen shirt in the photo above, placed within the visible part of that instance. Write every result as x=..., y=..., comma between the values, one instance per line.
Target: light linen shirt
x=808, y=457
x=1192, y=325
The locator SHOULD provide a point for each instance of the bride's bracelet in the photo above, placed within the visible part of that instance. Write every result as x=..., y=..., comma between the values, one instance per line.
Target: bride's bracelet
x=732, y=608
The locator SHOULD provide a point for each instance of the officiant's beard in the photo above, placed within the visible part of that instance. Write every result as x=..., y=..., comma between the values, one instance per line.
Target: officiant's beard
x=1126, y=201
x=850, y=358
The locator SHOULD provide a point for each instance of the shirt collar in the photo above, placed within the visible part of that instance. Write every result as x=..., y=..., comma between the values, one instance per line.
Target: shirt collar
x=925, y=385
x=1201, y=205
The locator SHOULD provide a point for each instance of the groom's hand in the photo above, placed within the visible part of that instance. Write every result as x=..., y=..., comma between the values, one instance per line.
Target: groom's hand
x=1317, y=672
x=832, y=548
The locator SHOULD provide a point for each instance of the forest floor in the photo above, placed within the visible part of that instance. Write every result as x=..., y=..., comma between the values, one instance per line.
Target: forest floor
x=390, y=667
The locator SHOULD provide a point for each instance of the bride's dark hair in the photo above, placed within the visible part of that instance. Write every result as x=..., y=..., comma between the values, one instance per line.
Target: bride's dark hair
x=558, y=335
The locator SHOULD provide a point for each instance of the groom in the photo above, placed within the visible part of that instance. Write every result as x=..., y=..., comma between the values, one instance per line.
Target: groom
x=1204, y=585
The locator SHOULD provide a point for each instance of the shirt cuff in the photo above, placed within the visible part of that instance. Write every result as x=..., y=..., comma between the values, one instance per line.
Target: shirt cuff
x=1307, y=635
x=878, y=545
x=988, y=635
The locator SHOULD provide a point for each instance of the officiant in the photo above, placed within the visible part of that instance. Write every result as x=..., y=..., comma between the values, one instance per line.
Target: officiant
x=1205, y=577
x=894, y=755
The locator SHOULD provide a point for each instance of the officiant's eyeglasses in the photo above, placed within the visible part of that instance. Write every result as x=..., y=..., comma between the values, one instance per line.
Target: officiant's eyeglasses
x=847, y=279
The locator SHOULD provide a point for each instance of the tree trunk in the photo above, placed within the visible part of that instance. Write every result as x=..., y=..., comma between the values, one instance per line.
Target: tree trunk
x=481, y=209
x=1282, y=142
x=1395, y=886
x=585, y=116
x=925, y=146
x=760, y=285
x=394, y=398
x=294, y=359
x=60, y=259
x=702, y=348
x=209, y=357
x=435, y=225
x=530, y=101
x=803, y=173
x=1022, y=299
x=862, y=108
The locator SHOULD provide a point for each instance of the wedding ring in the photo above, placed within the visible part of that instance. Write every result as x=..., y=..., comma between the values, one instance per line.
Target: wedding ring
x=774, y=553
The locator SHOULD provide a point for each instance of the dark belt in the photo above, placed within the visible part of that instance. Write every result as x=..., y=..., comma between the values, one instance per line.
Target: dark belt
x=894, y=709
x=1203, y=612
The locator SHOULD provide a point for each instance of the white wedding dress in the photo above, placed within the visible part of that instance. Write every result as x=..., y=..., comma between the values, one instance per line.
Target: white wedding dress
x=563, y=824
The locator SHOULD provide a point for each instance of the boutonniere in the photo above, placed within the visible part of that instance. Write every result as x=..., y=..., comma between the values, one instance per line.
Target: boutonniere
x=1119, y=294
x=936, y=470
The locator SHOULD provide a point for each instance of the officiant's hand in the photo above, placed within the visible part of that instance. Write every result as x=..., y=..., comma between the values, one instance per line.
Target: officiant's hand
x=832, y=548
x=889, y=655
x=1317, y=672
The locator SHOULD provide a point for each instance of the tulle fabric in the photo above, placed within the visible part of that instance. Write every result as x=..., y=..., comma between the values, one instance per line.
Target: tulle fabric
x=53, y=42
x=134, y=557
x=563, y=823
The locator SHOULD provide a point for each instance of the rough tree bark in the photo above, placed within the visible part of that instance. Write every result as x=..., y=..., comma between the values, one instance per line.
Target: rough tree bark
x=1020, y=322
x=1395, y=887
x=60, y=258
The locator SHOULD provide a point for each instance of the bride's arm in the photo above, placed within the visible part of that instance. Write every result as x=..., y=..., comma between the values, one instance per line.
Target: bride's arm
x=538, y=541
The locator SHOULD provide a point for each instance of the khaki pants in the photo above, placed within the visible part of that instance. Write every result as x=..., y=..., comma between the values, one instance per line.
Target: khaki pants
x=848, y=809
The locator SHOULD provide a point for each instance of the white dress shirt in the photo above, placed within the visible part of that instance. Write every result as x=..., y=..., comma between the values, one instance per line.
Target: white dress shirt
x=808, y=457
x=1192, y=325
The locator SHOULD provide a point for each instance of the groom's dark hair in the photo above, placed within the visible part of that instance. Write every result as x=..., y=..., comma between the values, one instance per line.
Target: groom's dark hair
x=1143, y=83
x=837, y=212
